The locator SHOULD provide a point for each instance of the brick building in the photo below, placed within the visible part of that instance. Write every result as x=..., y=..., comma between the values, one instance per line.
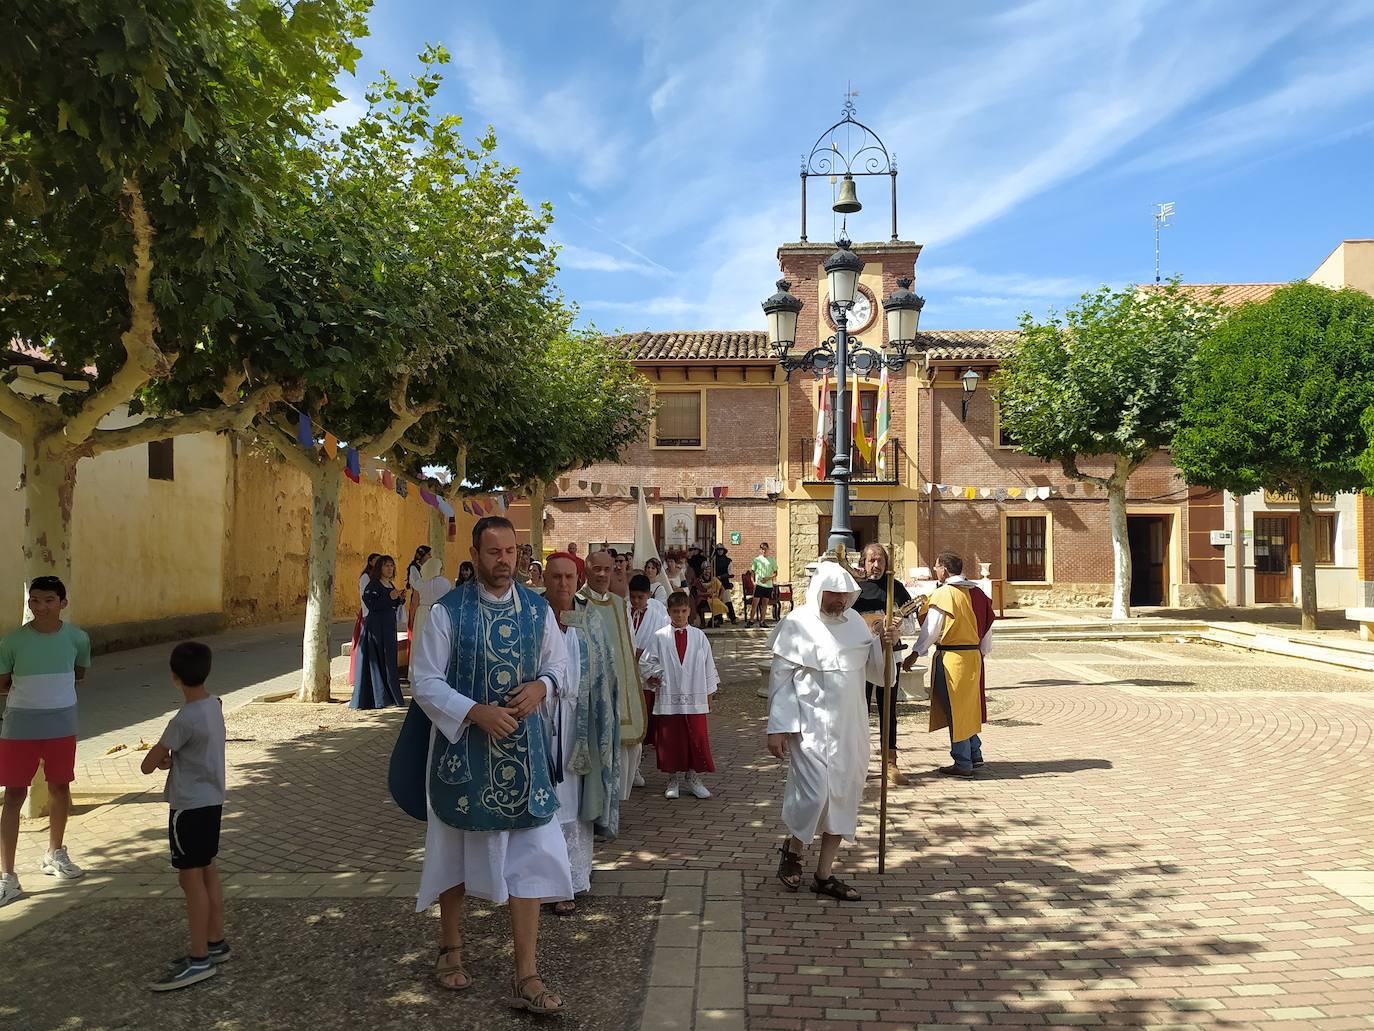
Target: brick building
x=731, y=455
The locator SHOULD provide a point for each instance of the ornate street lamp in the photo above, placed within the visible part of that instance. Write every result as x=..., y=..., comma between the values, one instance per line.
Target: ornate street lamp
x=782, y=309
x=970, y=381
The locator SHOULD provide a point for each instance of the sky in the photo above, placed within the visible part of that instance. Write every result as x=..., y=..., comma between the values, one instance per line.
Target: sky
x=1033, y=140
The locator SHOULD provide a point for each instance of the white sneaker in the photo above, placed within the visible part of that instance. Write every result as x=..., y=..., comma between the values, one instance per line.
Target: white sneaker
x=639, y=779
x=672, y=791
x=696, y=787
x=59, y=864
x=9, y=889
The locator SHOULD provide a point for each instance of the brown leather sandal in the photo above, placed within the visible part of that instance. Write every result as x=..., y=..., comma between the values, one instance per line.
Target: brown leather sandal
x=835, y=888
x=537, y=1003
x=443, y=969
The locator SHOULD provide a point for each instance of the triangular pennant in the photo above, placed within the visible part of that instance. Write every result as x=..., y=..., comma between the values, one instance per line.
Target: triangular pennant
x=986, y=492
x=331, y=444
x=401, y=487
x=444, y=507
x=427, y=498
x=388, y=481
x=970, y=493
x=351, y=469
x=305, y=434
x=1014, y=491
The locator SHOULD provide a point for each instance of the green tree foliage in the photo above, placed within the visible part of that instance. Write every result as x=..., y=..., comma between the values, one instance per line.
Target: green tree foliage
x=1104, y=385
x=141, y=144
x=1277, y=400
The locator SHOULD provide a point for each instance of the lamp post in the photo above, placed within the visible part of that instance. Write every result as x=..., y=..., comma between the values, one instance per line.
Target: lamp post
x=903, y=314
x=970, y=382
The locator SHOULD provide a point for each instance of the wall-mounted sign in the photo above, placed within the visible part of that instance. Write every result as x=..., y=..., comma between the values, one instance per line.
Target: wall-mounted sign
x=734, y=537
x=1221, y=538
x=1289, y=498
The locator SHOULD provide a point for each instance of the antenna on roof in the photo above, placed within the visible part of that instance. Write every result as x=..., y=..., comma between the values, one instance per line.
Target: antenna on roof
x=1161, y=216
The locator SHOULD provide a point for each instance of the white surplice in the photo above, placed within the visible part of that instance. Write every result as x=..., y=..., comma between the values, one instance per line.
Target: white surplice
x=560, y=711
x=686, y=684
x=643, y=627
x=494, y=865
x=816, y=696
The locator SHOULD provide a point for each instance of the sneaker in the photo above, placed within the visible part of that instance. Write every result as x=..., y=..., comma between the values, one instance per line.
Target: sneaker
x=673, y=789
x=59, y=864
x=639, y=779
x=219, y=952
x=748, y=624
x=185, y=973
x=10, y=891
x=696, y=787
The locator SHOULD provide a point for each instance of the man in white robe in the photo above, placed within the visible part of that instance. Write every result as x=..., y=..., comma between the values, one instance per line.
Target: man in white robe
x=648, y=615
x=523, y=866
x=823, y=653
x=634, y=717
x=560, y=583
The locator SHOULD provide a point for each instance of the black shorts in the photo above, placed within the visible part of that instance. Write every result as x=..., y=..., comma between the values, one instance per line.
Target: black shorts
x=194, y=836
x=764, y=592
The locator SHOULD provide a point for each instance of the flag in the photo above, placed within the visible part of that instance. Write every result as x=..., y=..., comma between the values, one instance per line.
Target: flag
x=857, y=440
x=331, y=444
x=351, y=468
x=822, y=418
x=427, y=498
x=445, y=507
x=388, y=481
x=305, y=435
x=401, y=487
x=645, y=546
x=882, y=422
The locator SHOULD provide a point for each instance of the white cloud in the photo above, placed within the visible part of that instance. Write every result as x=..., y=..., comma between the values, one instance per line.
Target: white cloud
x=585, y=259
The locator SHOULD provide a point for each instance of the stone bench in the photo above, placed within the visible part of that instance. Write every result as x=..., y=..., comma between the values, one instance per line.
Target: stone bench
x=1365, y=617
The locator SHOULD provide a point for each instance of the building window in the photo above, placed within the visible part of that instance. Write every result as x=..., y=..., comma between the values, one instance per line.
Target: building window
x=678, y=421
x=160, y=463
x=1004, y=438
x=1026, y=548
x=1324, y=525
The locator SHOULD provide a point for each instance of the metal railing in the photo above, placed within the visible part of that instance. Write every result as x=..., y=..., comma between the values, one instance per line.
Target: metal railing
x=862, y=470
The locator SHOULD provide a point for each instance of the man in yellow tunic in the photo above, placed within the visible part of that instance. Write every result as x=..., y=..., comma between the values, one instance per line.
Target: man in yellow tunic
x=952, y=627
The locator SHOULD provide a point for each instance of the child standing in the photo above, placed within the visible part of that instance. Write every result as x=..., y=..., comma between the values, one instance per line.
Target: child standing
x=678, y=663
x=40, y=665
x=191, y=750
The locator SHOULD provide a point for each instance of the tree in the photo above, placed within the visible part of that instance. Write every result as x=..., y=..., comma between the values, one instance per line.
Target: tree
x=1104, y=382
x=140, y=143
x=410, y=271
x=1277, y=402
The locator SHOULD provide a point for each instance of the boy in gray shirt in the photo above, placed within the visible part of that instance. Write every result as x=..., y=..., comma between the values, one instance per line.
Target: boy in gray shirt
x=191, y=750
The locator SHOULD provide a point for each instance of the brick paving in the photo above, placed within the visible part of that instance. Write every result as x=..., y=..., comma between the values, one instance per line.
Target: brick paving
x=1162, y=837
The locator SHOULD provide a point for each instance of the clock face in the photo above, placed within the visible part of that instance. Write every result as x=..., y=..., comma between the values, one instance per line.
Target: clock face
x=860, y=314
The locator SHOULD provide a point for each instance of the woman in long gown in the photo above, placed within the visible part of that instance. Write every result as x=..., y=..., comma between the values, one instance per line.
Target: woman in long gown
x=363, y=581
x=379, y=680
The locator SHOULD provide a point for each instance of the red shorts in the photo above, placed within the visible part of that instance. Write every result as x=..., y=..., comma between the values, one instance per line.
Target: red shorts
x=19, y=760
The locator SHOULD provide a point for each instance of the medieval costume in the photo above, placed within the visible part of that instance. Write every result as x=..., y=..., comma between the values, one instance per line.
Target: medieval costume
x=429, y=587
x=489, y=804
x=816, y=695
x=378, y=680
x=957, y=688
x=873, y=599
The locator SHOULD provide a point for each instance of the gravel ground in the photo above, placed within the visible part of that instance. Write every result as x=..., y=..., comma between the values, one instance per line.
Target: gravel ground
x=319, y=963
x=285, y=721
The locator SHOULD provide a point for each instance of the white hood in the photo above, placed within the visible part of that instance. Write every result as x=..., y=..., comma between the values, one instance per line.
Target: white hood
x=809, y=638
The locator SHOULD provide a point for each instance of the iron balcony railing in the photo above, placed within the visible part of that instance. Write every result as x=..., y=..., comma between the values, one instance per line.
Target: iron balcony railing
x=862, y=470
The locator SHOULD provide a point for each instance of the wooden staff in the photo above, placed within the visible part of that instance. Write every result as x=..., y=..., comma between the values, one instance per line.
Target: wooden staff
x=887, y=715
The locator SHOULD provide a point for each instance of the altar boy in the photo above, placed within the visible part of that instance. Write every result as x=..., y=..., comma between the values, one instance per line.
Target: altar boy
x=677, y=662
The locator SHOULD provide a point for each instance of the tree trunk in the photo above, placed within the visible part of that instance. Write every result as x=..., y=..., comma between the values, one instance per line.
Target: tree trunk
x=537, y=520
x=325, y=481
x=1307, y=557
x=1121, y=546
x=438, y=534
x=49, y=483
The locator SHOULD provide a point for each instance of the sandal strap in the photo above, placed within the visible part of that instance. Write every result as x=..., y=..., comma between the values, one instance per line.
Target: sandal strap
x=450, y=948
x=538, y=998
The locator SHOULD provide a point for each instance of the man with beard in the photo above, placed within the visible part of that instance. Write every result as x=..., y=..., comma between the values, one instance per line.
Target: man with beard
x=823, y=652
x=472, y=760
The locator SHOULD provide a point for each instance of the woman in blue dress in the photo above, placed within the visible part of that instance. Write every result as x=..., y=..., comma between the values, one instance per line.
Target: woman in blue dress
x=378, y=682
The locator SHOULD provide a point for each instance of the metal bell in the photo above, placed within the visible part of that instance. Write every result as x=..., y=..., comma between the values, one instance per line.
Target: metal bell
x=848, y=201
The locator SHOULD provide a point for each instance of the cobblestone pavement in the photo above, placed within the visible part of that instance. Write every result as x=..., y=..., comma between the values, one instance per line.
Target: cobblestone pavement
x=1164, y=836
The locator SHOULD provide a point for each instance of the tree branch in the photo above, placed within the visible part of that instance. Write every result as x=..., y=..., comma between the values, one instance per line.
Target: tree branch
x=276, y=435
x=21, y=415
x=143, y=358
x=237, y=417
x=422, y=447
x=1070, y=466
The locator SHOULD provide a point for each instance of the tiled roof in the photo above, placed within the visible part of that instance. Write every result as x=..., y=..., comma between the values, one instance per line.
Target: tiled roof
x=749, y=345
x=23, y=356
x=696, y=345
x=968, y=343
x=1228, y=295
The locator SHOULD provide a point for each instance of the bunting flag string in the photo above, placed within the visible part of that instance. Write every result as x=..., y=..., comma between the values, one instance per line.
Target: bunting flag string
x=969, y=492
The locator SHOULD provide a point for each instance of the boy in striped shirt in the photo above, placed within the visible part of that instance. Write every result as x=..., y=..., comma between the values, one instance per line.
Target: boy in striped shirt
x=40, y=664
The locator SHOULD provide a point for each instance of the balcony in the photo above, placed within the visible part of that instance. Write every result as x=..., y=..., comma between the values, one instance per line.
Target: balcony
x=862, y=470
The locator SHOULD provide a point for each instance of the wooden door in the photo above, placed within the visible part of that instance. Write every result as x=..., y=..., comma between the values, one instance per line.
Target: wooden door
x=865, y=532
x=1274, y=539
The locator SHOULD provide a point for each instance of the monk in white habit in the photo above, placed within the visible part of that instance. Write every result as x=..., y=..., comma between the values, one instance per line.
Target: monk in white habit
x=823, y=654
x=560, y=711
x=610, y=610
x=473, y=760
